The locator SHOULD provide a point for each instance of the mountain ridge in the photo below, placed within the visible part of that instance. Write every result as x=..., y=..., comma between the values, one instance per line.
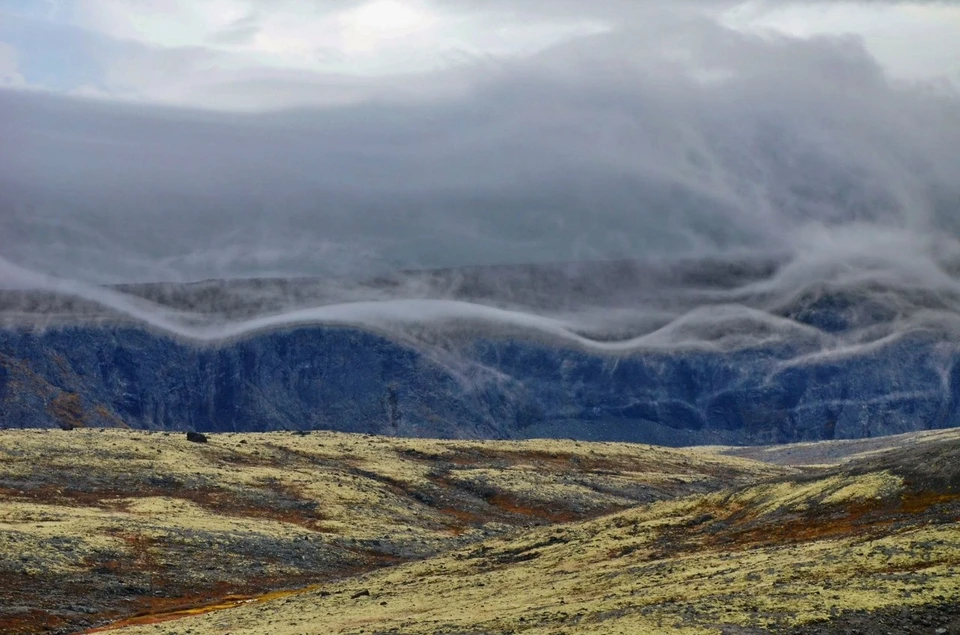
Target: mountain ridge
x=347, y=379
x=750, y=350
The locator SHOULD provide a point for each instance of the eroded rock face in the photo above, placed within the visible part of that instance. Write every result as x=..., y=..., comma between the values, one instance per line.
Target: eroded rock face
x=351, y=380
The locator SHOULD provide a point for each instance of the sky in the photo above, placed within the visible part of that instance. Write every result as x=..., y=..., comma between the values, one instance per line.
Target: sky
x=222, y=53
x=181, y=139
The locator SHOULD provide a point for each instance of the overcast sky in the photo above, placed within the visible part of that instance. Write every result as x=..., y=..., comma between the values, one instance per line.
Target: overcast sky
x=183, y=139
x=222, y=53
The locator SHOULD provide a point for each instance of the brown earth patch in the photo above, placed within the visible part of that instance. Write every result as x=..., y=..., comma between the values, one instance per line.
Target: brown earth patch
x=512, y=505
x=68, y=410
x=288, y=505
x=738, y=528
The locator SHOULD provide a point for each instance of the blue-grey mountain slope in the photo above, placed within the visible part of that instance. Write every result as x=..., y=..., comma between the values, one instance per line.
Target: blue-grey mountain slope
x=829, y=362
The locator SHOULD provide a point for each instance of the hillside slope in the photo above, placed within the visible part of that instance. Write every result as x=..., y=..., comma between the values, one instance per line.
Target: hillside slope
x=418, y=536
x=100, y=525
x=867, y=543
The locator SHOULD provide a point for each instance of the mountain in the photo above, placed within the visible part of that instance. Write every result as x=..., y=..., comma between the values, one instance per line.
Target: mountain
x=706, y=352
x=355, y=381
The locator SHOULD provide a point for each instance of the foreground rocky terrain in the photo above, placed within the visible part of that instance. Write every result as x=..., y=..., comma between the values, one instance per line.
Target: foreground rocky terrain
x=331, y=533
x=96, y=525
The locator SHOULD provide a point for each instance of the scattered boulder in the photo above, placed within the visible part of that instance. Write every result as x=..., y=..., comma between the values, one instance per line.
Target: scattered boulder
x=196, y=437
x=360, y=594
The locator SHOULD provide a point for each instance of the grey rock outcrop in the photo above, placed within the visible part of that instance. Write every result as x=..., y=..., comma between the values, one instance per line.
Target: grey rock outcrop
x=315, y=377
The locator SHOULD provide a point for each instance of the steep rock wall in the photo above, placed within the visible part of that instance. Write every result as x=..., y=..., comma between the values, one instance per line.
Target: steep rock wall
x=345, y=379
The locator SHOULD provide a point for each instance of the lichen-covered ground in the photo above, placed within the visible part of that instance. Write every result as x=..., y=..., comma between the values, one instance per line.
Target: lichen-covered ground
x=428, y=537
x=99, y=525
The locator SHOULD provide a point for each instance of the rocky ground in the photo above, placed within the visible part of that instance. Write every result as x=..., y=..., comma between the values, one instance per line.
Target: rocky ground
x=332, y=533
x=940, y=619
x=101, y=525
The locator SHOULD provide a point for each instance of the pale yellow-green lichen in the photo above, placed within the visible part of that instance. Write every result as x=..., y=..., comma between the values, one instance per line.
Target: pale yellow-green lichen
x=867, y=486
x=579, y=583
x=645, y=570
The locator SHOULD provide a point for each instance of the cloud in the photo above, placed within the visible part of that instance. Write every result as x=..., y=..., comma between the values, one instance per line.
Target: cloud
x=911, y=39
x=253, y=54
x=10, y=75
x=783, y=167
x=356, y=37
x=681, y=138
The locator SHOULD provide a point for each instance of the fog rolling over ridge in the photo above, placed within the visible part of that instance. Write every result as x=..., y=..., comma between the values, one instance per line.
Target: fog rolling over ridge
x=343, y=301
x=672, y=183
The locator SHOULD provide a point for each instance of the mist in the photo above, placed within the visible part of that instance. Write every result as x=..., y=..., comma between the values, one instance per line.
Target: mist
x=669, y=184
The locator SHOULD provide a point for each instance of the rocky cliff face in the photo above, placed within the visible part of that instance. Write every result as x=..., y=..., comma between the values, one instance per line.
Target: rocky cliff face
x=315, y=377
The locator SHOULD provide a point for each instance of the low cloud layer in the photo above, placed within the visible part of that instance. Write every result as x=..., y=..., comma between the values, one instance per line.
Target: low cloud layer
x=682, y=138
x=669, y=138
